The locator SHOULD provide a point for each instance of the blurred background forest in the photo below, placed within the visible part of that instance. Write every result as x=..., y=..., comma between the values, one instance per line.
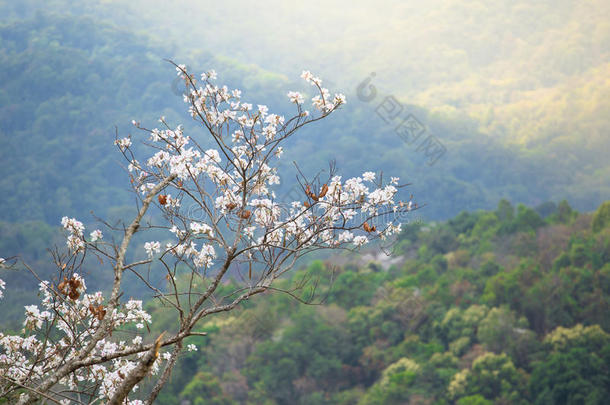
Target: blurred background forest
x=518, y=93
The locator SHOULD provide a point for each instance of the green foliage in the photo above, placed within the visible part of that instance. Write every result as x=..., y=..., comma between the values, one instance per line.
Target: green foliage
x=394, y=385
x=204, y=389
x=509, y=330
x=474, y=400
x=601, y=218
x=492, y=376
x=576, y=368
x=352, y=289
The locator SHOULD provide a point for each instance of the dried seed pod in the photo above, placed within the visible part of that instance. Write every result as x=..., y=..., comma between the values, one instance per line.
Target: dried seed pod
x=306, y=204
x=162, y=199
x=101, y=312
x=62, y=287
x=367, y=227
x=323, y=191
x=74, y=283
x=73, y=295
x=308, y=191
x=245, y=214
x=231, y=206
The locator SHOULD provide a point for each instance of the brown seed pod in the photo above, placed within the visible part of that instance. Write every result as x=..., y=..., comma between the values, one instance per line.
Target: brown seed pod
x=162, y=199
x=323, y=191
x=70, y=287
x=101, y=312
x=74, y=283
x=231, y=206
x=73, y=295
x=366, y=227
x=62, y=287
x=310, y=193
x=306, y=204
x=245, y=214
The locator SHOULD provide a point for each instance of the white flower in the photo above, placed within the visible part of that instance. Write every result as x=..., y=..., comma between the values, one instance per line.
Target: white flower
x=205, y=257
x=74, y=226
x=263, y=109
x=2, y=285
x=295, y=97
x=210, y=74
x=211, y=155
x=310, y=78
x=34, y=318
x=123, y=143
x=345, y=236
x=134, y=165
x=96, y=235
x=152, y=248
x=339, y=99
x=202, y=229
x=368, y=176
x=360, y=240
x=191, y=348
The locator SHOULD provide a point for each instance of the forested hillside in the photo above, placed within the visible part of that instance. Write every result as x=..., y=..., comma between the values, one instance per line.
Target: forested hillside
x=72, y=76
x=490, y=307
x=492, y=294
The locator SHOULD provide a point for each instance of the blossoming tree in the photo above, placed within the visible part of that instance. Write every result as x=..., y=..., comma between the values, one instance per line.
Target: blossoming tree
x=67, y=352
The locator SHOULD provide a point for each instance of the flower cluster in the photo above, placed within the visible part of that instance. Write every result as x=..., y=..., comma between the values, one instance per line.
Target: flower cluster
x=222, y=210
x=123, y=143
x=242, y=174
x=96, y=235
x=30, y=356
x=75, y=238
x=322, y=102
x=152, y=248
